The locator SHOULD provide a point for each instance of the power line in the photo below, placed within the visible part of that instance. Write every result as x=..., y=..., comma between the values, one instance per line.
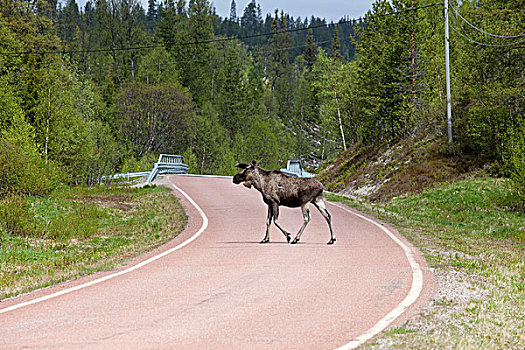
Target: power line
x=485, y=44
x=221, y=39
x=468, y=38
x=157, y=45
x=484, y=32
x=202, y=60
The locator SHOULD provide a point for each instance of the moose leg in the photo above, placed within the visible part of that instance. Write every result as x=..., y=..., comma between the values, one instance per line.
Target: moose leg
x=275, y=209
x=266, y=238
x=319, y=204
x=306, y=217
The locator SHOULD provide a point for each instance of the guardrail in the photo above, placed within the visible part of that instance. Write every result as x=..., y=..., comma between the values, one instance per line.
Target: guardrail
x=174, y=164
x=168, y=164
x=126, y=175
x=294, y=168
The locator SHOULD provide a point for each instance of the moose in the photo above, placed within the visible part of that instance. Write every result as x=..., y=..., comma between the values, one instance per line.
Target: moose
x=279, y=189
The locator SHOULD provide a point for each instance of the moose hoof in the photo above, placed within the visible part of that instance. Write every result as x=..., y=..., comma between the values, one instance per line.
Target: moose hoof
x=331, y=241
x=264, y=241
x=288, y=238
x=295, y=241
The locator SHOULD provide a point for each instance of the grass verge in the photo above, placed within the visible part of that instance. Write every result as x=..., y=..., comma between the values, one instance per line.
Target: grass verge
x=474, y=241
x=78, y=231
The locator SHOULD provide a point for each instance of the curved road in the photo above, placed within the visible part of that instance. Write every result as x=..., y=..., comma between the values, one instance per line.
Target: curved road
x=223, y=290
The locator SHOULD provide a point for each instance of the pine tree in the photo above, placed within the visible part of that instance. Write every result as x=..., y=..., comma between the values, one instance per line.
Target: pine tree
x=152, y=15
x=385, y=94
x=252, y=23
x=490, y=105
x=233, y=11
x=232, y=100
x=279, y=69
x=310, y=54
x=336, y=46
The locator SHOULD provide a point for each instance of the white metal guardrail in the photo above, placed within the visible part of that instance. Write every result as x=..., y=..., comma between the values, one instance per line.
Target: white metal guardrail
x=294, y=168
x=174, y=164
x=168, y=164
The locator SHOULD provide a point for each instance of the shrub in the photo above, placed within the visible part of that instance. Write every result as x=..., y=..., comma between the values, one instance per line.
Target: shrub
x=517, y=163
x=143, y=164
x=15, y=218
x=24, y=172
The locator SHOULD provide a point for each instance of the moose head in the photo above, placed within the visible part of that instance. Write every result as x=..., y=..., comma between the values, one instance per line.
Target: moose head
x=247, y=173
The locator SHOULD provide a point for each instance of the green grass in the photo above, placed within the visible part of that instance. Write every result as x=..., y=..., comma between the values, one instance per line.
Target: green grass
x=78, y=231
x=473, y=237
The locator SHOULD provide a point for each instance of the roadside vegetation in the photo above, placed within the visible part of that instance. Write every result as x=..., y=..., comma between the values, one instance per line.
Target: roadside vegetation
x=467, y=221
x=77, y=231
x=472, y=234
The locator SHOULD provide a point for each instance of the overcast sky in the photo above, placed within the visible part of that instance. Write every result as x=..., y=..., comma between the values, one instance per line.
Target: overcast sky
x=331, y=10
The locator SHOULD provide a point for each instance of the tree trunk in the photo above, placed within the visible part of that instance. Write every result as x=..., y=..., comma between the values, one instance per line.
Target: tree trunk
x=339, y=119
x=47, y=122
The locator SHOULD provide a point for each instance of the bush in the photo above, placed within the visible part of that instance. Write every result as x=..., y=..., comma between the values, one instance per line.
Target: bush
x=15, y=218
x=24, y=172
x=143, y=164
x=517, y=163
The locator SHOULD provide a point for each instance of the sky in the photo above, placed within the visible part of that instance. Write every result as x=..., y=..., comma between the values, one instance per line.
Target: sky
x=331, y=10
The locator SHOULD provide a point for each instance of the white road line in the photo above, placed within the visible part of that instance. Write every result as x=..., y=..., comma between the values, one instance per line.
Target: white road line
x=413, y=294
x=132, y=268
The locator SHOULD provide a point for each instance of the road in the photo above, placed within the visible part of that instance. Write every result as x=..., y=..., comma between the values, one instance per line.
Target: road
x=216, y=287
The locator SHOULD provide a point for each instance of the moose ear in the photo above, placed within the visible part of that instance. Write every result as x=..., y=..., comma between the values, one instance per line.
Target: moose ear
x=242, y=165
x=256, y=163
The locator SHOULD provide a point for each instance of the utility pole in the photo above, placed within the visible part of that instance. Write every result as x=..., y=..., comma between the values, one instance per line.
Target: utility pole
x=447, y=73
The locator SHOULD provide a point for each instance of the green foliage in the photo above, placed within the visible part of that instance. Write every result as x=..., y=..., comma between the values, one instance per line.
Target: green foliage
x=155, y=68
x=15, y=218
x=154, y=118
x=232, y=100
x=211, y=144
x=11, y=114
x=310, y=54
x=517, y=161
x=80, y=230
x=280, y=74
x=132, y=164
x=472, y=207
x=102, y=101
x=22, y=171
x=181, y=24
x=490, y=103
x=8, y=43
x=334, y=88
x=265, y=142
x=384, y=72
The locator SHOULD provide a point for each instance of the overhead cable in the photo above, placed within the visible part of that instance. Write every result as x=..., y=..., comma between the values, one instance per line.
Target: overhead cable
x=485, y=44
x=222, y=39
x=202, y=60
x=484, y=32
x=157, y=45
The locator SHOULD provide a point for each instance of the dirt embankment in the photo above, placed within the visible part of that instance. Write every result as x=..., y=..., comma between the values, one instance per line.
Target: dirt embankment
x=381, y=173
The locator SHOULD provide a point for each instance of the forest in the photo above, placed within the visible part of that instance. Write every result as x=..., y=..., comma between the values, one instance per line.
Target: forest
x=87, y=92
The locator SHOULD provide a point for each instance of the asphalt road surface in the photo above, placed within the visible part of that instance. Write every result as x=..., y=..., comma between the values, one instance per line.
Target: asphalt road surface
x=216, y=287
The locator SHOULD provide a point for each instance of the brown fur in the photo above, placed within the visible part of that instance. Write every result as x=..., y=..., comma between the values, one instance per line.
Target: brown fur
x=279, y=189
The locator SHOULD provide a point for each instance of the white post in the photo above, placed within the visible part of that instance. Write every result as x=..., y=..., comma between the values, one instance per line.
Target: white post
x=447, y=73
